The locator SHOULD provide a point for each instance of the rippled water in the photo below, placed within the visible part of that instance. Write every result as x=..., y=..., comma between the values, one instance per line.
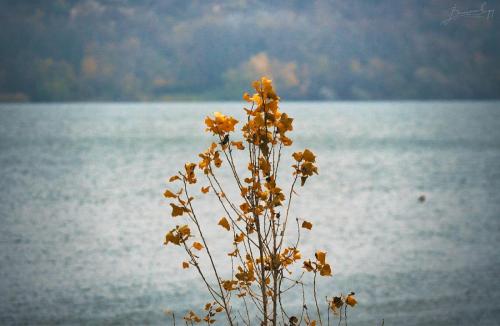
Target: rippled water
x=82, y=216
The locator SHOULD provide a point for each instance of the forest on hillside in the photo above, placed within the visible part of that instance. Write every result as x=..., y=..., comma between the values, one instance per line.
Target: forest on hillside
x=124, y=50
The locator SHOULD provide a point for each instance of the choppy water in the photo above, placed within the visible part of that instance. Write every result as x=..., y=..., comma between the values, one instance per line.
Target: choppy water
x=82, y=216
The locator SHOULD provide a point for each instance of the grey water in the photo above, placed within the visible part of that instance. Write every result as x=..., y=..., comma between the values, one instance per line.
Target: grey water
x=82, y=217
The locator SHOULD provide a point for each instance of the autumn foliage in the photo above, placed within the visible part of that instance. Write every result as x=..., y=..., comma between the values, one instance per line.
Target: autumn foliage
x=258, y=220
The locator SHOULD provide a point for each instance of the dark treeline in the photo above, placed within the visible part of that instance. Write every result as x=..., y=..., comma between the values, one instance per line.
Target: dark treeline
x=177, y=49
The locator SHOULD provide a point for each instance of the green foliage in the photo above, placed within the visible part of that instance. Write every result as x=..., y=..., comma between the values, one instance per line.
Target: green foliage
x=155, y=50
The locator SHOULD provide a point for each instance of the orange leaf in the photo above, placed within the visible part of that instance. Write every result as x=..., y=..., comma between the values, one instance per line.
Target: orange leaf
x=238, y=145
x=309, y=156
x=239, y=237
x=350, y=300
x=185, y=264
x=205, y=189
x=169, y=194
x=234, y=253
x=173, y=178
x=325, y=270
x=197, y=246
x=170, y=237
x=224, y=223
x=184, y=230
x=178, y=210
x=297, y=156
x=321, y=256
x=245, y=207
x=308, y=265
x=307, y=225
x=246, y=97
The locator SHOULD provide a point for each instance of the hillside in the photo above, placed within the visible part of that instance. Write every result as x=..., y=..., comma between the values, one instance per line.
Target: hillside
x=168, y=50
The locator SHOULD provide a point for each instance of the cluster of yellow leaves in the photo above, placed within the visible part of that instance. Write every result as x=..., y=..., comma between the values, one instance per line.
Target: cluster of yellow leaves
x=245, y=276
x=190, y=176
x=209, y=156
x=192, y=317
x=229, y=285
x=289, y=256
x=320, y=265
x=265, y=130
x=212, y=309
x=196, y=245
x=177, y=235
x=305, y=166
x=211, y=305
x=180, y=208
x=337, y=303
x=265, y=116
x=220, y=124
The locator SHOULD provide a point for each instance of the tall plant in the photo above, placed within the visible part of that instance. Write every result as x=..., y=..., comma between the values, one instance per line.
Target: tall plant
x=261, y=263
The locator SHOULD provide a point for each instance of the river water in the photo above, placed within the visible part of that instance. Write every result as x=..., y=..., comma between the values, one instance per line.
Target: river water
x=83, y=218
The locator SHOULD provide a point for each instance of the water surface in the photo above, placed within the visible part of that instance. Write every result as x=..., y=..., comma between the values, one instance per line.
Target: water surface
x=83, y=218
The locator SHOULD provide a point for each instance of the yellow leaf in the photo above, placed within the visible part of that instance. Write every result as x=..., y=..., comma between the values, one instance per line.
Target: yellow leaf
x=325, y=270
x=239, y=237
x=197, y=246
x=337, y=302
x=285, y=123
x=308, y=265
x=219, y=309
x=205, y=189
x=185, y=264
x=184, y=231
x=286, y=141
x=321, y=257
x=173, y=178
x=245, y=207
x=177, y=210
x=350, y=300
x=309, y=156
x=170, y=237
x=234, y=253
x=229, y=285
x=190, y=176
x=256, y=85
x=238, y=145
x=297, y=156
x=224, y=223
x=307, y=225
x=169, y=194
x=246, y=97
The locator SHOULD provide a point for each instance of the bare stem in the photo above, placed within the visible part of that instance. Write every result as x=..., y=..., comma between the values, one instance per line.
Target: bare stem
x=316, y=299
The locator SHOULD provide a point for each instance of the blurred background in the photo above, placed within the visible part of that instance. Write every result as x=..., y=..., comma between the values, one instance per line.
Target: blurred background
x=120, y=50
x=104, y=100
